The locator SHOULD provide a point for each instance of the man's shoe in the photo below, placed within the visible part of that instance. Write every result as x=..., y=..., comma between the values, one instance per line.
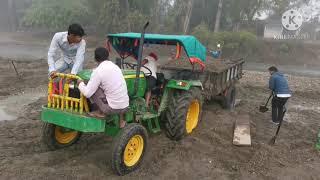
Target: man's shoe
x=276, y=123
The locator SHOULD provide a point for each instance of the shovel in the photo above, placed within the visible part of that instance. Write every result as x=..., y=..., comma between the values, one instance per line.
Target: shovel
x=273, y=140
x=263, y=108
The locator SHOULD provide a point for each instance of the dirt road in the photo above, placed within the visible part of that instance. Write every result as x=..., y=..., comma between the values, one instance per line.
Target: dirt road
x=207, y=153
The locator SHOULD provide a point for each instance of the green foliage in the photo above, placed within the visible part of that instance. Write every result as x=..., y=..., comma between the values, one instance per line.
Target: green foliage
x=108, y=16
x=136, y=20
x=57, y=14
x=125, y=15
x=248, y=42
x=243, y=43
x=105, y=15
x=203, y=33
x=284, y=48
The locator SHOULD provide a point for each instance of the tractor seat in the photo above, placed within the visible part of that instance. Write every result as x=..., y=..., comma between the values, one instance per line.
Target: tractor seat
x=160, y=79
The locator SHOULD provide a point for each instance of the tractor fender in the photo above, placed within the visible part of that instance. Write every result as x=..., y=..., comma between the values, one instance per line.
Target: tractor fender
x=184, y=84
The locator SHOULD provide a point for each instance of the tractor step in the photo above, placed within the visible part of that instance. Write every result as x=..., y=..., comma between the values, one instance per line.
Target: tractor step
x=152, y=121
x=149, y=115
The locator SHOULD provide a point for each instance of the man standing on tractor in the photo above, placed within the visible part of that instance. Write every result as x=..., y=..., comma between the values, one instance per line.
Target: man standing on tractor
x=151, y=66
x=281, y=93
x=216, y=54
x=73, y=48
x=106, y=88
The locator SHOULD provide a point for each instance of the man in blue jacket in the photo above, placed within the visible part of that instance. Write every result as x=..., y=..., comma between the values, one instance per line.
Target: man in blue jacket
x=281, y=93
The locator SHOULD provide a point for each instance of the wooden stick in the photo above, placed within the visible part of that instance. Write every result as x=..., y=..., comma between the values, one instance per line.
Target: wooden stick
x=15, y=69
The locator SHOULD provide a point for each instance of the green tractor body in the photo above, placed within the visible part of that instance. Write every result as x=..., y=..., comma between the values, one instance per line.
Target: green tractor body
x=110, y=126
x=177, y=105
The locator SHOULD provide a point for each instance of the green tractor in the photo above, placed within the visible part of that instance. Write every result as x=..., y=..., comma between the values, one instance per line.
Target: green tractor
x=176, y=104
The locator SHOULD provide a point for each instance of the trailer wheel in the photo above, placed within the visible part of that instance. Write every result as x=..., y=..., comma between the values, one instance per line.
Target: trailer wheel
x=183, y=113
x=229, y=100
x=128, y=149
x=56, y=137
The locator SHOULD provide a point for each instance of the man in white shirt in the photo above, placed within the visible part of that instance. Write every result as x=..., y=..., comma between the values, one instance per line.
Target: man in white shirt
x=73, y=49
x=106, y=88
x=150, y=63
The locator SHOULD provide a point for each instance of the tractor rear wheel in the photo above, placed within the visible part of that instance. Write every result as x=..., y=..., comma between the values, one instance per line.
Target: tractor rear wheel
x=128, y=148
x=57, y=137
x=183, y=113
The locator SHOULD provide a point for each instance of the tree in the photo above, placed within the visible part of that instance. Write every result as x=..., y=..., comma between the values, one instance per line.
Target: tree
x=187, y=17
x=280, y=6
x=13, y=15
x=125, y=11
x=166, y=16
x=57, y=14
x=218, y=17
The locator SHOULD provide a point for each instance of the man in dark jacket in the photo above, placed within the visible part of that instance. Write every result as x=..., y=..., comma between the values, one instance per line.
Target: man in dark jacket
x=281, y=93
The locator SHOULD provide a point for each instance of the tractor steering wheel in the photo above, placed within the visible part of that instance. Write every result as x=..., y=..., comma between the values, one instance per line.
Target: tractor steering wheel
x=148, y=74
x=133, y=66
x=130, y=65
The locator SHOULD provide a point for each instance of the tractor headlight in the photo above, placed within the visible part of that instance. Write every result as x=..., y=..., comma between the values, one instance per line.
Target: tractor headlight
x=181, y=83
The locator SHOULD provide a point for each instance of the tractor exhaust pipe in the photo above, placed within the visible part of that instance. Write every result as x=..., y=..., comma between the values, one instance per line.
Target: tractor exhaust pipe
x=136, y=83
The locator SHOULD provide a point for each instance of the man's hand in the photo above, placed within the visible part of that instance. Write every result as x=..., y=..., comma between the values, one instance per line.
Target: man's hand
x=144, y=62
x=68, y=81
x=79, y=81
x=53, y=74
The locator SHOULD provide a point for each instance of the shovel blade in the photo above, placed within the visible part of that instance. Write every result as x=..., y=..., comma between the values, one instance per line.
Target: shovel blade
x=272, y=141
x=263, y=109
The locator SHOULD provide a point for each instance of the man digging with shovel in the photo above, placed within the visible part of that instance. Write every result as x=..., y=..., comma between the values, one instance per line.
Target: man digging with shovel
x=278, y=84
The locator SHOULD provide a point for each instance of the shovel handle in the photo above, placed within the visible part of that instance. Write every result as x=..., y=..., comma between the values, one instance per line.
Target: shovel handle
x=280, y=122
x=269, y=99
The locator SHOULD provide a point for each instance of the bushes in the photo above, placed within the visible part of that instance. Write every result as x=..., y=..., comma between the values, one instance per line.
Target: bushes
x=203, y=33
x=242, y=43
x=284, y=48
x=57, y=14
x=102, y=15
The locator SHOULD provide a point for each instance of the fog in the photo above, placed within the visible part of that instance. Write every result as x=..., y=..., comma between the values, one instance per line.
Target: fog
x=28, y=26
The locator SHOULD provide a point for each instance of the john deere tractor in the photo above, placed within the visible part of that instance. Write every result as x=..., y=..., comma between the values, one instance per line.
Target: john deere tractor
x=176, y=104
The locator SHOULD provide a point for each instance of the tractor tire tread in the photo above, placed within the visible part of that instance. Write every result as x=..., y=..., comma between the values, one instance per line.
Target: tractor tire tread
x=48, y=137
x=119, y=144
x=177, y=111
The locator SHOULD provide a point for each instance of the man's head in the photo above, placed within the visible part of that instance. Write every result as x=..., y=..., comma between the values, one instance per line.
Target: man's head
x=154, y=56
x=272, y=70
x=151, y=56
x=75, y=33
x=101, y=54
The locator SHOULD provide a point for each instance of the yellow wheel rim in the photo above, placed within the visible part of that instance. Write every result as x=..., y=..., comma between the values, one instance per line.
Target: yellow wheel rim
x=64, y=137
x=192, y=116
x=133, y=151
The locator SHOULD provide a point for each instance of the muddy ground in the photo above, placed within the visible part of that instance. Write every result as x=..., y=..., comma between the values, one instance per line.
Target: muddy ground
x=207, y=153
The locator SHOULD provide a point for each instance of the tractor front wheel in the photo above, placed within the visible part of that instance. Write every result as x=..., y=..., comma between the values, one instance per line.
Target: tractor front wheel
x=128, y=148
x=183, y=113
x=57, y=137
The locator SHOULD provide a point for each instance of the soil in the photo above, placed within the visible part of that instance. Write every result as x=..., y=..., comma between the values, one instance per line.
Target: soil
x=211, y=65
x=207, y=153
